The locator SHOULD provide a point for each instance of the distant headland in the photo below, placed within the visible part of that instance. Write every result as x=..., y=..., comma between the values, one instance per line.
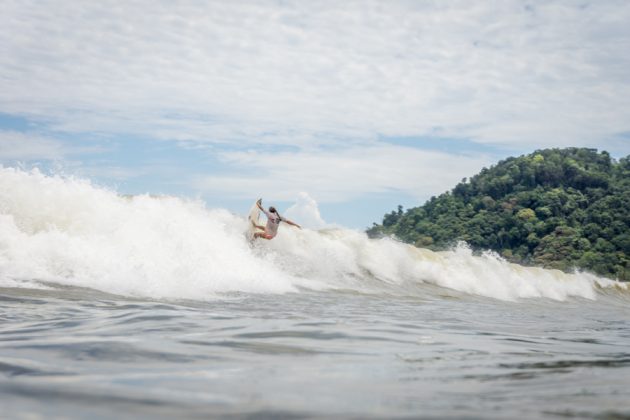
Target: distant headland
x=556, y=208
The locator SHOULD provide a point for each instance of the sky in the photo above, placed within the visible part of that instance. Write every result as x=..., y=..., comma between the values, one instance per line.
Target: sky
x=334, y=111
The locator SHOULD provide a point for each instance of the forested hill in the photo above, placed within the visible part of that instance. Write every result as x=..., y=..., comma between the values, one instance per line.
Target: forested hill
x=557, y=208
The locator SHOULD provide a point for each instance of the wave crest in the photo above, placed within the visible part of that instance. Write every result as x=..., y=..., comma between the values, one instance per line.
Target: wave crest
x=71, y=232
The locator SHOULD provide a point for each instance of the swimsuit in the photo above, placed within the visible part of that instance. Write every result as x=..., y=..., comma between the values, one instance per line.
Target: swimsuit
x=273, y=221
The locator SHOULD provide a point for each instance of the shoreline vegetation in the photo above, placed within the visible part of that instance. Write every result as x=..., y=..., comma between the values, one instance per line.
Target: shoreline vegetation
x=565, y=209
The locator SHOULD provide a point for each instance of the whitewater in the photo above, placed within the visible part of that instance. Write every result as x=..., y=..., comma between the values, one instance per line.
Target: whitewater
x=157, y=306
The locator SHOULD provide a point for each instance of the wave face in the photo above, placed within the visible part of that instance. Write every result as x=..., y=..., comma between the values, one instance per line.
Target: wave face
x=66, y=231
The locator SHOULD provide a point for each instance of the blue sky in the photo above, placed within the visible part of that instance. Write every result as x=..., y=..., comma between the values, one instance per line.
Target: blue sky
x=361, y=105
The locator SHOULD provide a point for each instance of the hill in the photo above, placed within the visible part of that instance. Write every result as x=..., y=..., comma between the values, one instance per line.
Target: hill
x=555, y=208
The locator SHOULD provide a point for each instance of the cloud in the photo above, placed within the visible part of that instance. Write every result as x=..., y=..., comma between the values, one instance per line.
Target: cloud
x=312, y=73
x=110, y=172
x=306, y=212
x=18, y=146
x=340, y=174
x=30, y=146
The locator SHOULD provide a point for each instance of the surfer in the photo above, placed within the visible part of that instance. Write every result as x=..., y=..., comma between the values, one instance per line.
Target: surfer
x=273, y=221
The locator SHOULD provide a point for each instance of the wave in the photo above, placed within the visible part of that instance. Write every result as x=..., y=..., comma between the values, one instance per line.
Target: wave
x=67, y=231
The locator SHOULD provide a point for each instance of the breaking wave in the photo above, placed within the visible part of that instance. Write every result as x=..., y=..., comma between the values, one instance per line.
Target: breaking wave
x=67, y=231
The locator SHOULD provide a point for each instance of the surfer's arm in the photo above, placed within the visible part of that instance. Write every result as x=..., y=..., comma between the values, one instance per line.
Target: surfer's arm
x=259, y=204
x=291, y=223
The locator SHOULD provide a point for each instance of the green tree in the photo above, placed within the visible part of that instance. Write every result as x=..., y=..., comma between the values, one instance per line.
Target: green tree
x=561, y=208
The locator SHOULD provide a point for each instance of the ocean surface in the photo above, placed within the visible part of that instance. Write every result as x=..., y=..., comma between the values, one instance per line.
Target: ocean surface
x=158, y=307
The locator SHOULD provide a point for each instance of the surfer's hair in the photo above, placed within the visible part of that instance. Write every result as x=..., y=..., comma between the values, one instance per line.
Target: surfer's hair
x=272, y=209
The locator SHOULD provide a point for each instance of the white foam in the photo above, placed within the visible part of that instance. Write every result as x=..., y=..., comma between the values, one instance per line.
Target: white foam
x=68, y=231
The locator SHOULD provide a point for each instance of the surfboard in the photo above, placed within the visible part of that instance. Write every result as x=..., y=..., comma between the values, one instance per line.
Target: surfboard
x=252, y=216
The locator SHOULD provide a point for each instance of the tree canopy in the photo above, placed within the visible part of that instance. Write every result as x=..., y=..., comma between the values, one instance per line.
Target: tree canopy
x=556, y=208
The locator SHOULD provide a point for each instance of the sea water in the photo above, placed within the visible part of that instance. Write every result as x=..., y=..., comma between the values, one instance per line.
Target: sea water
x=131, y=307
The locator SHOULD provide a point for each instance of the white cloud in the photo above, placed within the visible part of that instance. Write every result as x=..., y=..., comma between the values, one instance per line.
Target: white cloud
x=306, y=211
x=548, y=73
x=27, y=146
x=110, y=172
x=340, y=174
x=17, y=146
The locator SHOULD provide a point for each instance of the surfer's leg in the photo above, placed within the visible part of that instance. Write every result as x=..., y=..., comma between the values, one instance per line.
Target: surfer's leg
x=259, y=235
x=262, y=235
x=258, y=226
